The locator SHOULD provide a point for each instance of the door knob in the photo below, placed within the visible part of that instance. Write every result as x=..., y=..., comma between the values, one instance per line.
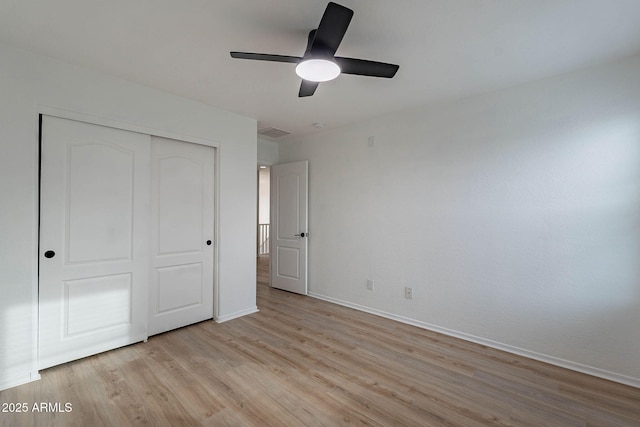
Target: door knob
x=208, y=242
x=300, y=235
x=49, y=254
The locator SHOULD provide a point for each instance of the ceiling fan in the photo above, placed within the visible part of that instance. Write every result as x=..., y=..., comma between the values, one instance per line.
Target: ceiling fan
x=319, y=63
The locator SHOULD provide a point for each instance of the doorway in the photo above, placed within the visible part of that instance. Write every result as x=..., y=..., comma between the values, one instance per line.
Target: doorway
x=263, y=231
x=285, y=199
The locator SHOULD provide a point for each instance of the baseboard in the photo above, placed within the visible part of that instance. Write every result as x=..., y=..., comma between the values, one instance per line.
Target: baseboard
x=574, y=366
x=237, y=314
x=14, y=382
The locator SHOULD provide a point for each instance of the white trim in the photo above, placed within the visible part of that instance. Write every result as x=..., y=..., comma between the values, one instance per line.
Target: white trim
x=117, y=124
x=7, y=384
x=35, y=283
x=574, y=366
x=216, y=232
x=237, y=314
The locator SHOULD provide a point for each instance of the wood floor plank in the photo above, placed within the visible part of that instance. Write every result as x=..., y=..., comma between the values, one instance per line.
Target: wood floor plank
x=199, y=401
x=302, y=361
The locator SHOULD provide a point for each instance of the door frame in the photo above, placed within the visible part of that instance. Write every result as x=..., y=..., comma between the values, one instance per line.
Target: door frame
x=46, y=110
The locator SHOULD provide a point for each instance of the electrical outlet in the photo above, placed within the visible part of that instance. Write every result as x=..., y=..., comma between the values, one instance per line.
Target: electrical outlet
x=408, y=292
x=370, y=284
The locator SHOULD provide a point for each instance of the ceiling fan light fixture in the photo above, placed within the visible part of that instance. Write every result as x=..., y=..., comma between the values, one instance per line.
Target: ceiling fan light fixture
x=317, y=70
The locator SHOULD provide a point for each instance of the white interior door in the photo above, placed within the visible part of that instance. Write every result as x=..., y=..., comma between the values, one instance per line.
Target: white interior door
x=182, y=221
x=289, y=234
x=94, y=261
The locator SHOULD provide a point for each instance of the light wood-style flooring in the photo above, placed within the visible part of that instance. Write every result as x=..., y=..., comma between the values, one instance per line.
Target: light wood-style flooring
x=304, y=362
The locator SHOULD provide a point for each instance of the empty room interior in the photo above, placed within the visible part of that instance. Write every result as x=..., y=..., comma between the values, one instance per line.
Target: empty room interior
x=303, y=213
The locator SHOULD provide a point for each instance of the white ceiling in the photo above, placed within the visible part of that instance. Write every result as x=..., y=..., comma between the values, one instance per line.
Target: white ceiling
x=446, y=49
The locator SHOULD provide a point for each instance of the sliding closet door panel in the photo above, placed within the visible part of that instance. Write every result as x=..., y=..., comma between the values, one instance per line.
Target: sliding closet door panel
x=182, y=209
x=93, y=239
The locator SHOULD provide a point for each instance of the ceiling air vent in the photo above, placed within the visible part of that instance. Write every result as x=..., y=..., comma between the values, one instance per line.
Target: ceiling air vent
x=273, y=133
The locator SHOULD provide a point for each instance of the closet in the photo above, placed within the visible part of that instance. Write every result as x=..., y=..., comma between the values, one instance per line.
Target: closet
x=126, y=237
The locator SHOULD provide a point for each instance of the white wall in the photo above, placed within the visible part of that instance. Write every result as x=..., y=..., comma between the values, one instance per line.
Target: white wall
x=29, y=83
x=515, y=217
x=268, y=152
x=264, y=195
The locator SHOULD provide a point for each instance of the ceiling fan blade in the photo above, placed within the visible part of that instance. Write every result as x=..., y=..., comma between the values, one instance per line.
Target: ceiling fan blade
x=307, y=88
x=331, y=30
x=266, y=57
x=363, y=67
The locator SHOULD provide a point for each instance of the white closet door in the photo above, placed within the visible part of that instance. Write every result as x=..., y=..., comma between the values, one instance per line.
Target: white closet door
x=182, y=219
x=94, y=236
